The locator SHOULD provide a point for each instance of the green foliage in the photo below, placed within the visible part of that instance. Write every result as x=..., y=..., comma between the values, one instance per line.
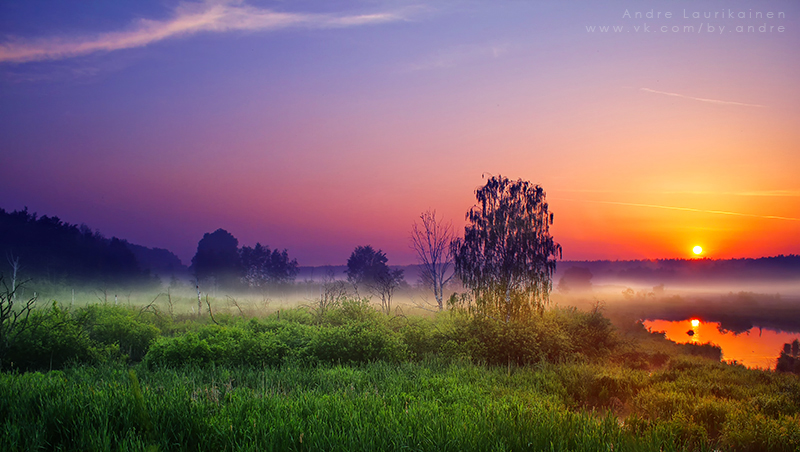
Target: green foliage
x=55, y=341
x=556, y=336
x=109, y=325
x=357, y=343
x=354, y=379
x=590, y=333
x=338, y=408
x=423, y=339
x=747, y=431
x=216, y=345
x=507, y=256
x=350, y=310
x=707, y=350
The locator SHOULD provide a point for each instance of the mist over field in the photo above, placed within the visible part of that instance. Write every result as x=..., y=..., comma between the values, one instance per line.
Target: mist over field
x=469, y=225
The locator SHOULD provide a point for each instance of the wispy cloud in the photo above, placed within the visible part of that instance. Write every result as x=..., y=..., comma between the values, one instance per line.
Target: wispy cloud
x=700, y=99
x=762, y=193
x=458, y=55
x=685, y=209
x=189, y=18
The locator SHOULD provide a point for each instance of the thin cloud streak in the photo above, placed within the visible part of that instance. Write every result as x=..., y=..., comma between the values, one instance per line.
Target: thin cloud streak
x=685, y=209
x=700, y=99
x=760, y=193
x=189, y=19
x=459, y=55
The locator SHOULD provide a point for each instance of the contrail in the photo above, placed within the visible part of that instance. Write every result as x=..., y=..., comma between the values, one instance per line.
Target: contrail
x=686, y=209
x=713, y=101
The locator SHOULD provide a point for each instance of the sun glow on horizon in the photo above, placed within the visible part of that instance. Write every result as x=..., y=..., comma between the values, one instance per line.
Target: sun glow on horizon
x=697, y=250
x=695, y=323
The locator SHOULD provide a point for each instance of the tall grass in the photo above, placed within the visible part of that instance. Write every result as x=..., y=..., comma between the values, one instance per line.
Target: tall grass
x=354, y=379
x=427, y=406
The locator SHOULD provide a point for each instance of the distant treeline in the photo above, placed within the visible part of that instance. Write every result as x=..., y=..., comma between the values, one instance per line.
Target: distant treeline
x=49, y=250
x=690, y=270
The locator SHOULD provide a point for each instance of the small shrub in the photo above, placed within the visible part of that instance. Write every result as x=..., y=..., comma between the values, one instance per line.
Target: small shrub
x=111, y=325
x=422, y=339
x=219, y=346
x=351, y=310
x=590, y=333
x=54, y=341
x=357, y=343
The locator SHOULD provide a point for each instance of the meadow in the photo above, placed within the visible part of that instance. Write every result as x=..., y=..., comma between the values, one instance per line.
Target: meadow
x=151, y=373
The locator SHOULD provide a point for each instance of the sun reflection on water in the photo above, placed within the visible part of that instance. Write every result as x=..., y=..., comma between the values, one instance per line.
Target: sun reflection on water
x=755, y=348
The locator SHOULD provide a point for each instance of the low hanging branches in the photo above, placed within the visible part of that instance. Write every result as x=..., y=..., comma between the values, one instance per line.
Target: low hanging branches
x=507, y=257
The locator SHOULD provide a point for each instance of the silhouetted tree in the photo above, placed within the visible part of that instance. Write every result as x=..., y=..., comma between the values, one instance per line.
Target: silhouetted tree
x=217, y=257
x=431, y=240
x=59, y=252
x=264, y=267
x=507, y=256
x=367, y=268
x=789, y=359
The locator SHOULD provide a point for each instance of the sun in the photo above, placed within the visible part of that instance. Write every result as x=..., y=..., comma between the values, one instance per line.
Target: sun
x=695, y=323
x=698, y=250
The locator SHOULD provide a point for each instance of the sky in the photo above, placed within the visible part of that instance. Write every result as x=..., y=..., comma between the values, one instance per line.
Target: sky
x=653, y=126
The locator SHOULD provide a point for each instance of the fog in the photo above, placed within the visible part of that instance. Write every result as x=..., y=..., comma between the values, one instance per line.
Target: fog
x=740, y=295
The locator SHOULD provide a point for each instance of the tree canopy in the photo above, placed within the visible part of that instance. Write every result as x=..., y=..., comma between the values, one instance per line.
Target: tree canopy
x=507, y=257
x=263, y=267
x=366, y=268
x=217, y=257
x=49, y=249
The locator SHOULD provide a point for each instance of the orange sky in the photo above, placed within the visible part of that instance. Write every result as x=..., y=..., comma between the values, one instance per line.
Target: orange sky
x=323, y=128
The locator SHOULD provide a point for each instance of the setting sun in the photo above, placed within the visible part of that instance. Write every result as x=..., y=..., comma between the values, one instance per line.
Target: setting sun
x=697, y=250
x=695, y=323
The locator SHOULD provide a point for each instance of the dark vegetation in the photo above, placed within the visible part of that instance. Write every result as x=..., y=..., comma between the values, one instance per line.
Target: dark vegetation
x=55, y=252
x=220, y=263
x=691, y=271
x=789, y=359
x=367, y=269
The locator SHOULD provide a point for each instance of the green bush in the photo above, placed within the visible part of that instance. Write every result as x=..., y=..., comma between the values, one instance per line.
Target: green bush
x=707, y=350
x=590, y=333
x=53, y=341
x=423, y=339
x=517, y=342
x=219, y=346
x=352, y=310
x=751, y=432
x=501, y=343
x=357, y=343
x=119, y=325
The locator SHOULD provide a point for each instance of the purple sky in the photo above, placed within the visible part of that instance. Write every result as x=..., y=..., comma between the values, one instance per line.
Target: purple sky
x=320, y=126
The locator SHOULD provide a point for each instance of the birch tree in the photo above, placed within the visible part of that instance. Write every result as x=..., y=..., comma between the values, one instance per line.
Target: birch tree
x=431, y=238
x=507, y=257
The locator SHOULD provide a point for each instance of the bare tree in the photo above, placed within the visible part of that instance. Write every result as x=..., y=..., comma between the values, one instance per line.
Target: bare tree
x=431, y=240
x=13, y=319
x=14, y=262
x=385, y=285
x=333, y=292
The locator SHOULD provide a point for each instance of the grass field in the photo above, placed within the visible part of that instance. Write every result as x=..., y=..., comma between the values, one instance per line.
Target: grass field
x=96, y=376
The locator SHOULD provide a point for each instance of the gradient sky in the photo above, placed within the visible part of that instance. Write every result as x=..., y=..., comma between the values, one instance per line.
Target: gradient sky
x=319, y=126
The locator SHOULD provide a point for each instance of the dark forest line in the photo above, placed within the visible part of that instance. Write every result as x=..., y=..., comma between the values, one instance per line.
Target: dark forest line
x=47, y=248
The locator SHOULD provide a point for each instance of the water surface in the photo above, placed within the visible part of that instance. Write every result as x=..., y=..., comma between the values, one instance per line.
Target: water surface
x=755, y=348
